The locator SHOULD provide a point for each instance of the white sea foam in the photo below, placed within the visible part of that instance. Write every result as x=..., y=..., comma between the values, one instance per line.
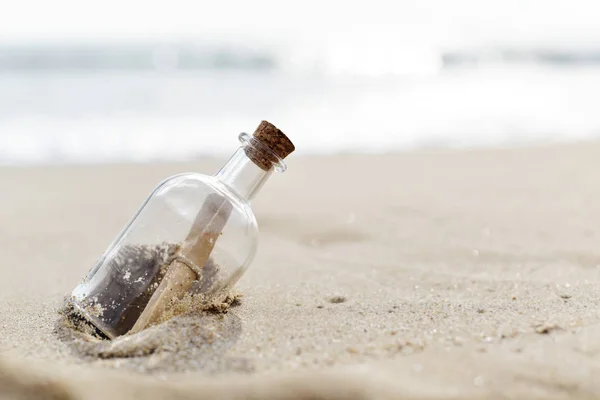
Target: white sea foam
x=128, y=117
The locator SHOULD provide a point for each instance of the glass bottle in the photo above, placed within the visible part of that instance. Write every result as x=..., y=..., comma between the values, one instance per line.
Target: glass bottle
x=194, y=234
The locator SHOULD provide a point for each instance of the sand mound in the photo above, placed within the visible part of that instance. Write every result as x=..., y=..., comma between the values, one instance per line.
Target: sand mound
x=194, y=336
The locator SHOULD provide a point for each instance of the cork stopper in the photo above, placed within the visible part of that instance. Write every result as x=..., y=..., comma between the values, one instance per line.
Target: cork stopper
x=269, y=146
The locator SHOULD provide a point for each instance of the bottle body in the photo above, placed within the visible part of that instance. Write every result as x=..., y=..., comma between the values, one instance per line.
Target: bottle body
x=194, y=235
x=192, y=220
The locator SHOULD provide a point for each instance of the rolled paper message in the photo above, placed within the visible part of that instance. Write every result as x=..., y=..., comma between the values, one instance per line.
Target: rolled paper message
x=187, y=267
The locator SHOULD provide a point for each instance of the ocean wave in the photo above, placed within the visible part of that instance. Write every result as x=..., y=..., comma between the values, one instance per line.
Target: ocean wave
x=148, y=57
x=132, y=58
x=540, y=56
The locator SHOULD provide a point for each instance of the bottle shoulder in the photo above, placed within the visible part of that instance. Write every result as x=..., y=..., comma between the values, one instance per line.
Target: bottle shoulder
x=197, y=186
x=181, y=178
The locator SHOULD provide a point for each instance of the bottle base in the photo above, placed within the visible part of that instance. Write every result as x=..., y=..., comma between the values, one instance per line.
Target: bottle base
x=79, y=315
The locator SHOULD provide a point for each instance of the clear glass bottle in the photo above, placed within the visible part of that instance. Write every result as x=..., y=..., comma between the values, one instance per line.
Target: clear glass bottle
x=194, y=234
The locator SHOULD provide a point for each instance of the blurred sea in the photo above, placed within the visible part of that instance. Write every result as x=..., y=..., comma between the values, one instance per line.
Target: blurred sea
x=88, y=103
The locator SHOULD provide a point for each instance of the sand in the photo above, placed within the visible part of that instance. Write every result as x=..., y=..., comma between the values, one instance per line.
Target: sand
x=433, y=274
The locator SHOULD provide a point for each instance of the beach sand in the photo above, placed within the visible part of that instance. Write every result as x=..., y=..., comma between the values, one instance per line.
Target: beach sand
x=432, y=274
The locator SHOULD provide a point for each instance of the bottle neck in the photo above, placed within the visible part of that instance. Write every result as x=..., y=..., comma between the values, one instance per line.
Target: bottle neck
x=242, y=175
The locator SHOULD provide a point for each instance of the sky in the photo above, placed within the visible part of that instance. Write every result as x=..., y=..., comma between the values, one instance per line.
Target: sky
x=440, y=21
